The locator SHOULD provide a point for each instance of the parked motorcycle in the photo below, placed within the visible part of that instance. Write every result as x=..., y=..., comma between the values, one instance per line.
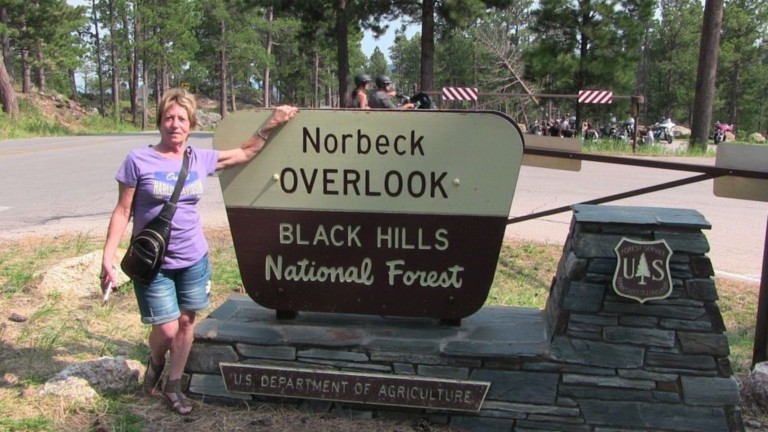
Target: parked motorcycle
x=534, y=128
x=613, y=130
x=720, y=130
x=421, y=100
x=625, y=131
x=663, y=131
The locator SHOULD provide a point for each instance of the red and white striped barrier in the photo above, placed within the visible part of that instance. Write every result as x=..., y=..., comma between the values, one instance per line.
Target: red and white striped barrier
x=460, y=93
x=595, y=96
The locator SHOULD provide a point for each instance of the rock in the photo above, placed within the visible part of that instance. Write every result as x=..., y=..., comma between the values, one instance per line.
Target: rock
x=681, y=131
x=17, y=317
x=83, y=381
x=756, y=137
x=755, y=386
x=207, y=120
x=10, y=379
x=72, y=388
x=78, y=276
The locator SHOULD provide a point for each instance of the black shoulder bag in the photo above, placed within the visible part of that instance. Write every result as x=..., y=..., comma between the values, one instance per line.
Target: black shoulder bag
x=145, y=254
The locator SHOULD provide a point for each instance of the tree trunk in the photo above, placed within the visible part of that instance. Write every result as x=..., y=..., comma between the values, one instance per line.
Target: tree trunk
x=133, y=68
x=316, y=80
x=707, y=73
x=223, y=74
x=5, y=40
x=114, y=63
x=342, y=46
x=73, y=85
x=733, y=102
x=427, y=45
x=97, y=47
x=26, y=72
x=267, y=84
x=232, y=95
x=40, y=71
x=584, y=57
x=141, y=29
x=144, y=94
x=7, y=95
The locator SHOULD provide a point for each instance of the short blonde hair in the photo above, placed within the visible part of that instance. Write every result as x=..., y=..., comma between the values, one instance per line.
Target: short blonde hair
x=182, y=98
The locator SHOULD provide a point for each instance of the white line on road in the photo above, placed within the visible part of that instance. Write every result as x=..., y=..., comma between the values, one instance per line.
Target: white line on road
x=737, y=276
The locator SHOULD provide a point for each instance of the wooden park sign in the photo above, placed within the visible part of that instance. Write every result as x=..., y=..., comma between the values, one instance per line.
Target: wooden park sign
x=372, y=212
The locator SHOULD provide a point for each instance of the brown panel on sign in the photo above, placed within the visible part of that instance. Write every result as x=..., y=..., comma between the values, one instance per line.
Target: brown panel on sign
x=379, y=389
x=394, y=264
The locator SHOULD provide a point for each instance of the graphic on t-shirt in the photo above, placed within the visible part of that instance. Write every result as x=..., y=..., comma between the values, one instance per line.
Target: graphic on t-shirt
x=165, y=181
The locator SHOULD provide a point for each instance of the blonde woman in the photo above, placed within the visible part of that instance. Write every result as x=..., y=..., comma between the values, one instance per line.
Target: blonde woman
x=146, y=180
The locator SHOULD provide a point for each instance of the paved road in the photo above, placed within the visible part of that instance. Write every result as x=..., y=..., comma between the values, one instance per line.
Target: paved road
x=50, y=185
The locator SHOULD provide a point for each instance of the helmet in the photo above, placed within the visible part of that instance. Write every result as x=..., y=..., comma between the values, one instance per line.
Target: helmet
x=382, y=80
x=362, y=78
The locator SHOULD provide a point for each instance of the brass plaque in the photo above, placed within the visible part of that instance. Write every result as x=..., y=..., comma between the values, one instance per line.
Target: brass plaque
x=372, y=212
x=642, y=269
x=363, y=388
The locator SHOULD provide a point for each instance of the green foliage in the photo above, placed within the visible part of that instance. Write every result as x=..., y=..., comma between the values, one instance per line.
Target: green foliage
x=674, y=50
x=377, y=64
x=29, y=123
x=38, y=423
x=742, y=65
x=523, y=275
x=551, y=46
x=118, y=410
x=611, y=146
x=457, y=62
x=406, y=56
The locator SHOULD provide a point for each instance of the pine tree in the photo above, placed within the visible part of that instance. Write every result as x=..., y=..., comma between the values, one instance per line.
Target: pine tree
x=642, y=269
x=587, y=44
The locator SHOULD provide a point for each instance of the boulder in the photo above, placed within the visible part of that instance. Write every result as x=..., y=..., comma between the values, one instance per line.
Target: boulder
x=681, y=131
x=83, y=381
x=78, y=276
x=756, y=137
x=207, y=120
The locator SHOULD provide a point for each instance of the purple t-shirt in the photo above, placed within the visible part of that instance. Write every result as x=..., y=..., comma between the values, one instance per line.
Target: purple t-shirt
x=156, y=177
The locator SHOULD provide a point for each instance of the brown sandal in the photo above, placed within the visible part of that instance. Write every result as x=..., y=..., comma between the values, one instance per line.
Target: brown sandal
x=176, y=399
x=152, y=376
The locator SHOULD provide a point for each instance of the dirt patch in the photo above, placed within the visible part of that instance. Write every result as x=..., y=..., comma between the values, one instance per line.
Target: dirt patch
x=63, y=111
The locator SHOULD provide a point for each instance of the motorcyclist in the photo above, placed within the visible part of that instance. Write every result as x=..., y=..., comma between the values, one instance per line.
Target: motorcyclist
x=382, y=96
x=360, y=93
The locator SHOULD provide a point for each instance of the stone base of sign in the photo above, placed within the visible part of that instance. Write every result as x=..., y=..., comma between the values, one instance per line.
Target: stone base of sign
x=592, y=360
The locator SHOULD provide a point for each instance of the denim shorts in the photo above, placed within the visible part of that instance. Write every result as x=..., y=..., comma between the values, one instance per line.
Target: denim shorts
x=173, y=291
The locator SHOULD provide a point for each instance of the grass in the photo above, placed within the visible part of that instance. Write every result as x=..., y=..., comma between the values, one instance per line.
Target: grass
x=35, y=120
x=617, y=147
x=62, y=329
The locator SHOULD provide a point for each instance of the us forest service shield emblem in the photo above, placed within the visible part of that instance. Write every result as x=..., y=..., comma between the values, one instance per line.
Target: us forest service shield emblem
x=642, y=269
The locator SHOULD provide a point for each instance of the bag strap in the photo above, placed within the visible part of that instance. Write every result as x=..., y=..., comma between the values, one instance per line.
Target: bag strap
x=170, y=207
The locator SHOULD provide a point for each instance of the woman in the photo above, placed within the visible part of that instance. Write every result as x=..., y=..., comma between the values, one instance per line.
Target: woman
x=359, y=94
x=146, y=180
